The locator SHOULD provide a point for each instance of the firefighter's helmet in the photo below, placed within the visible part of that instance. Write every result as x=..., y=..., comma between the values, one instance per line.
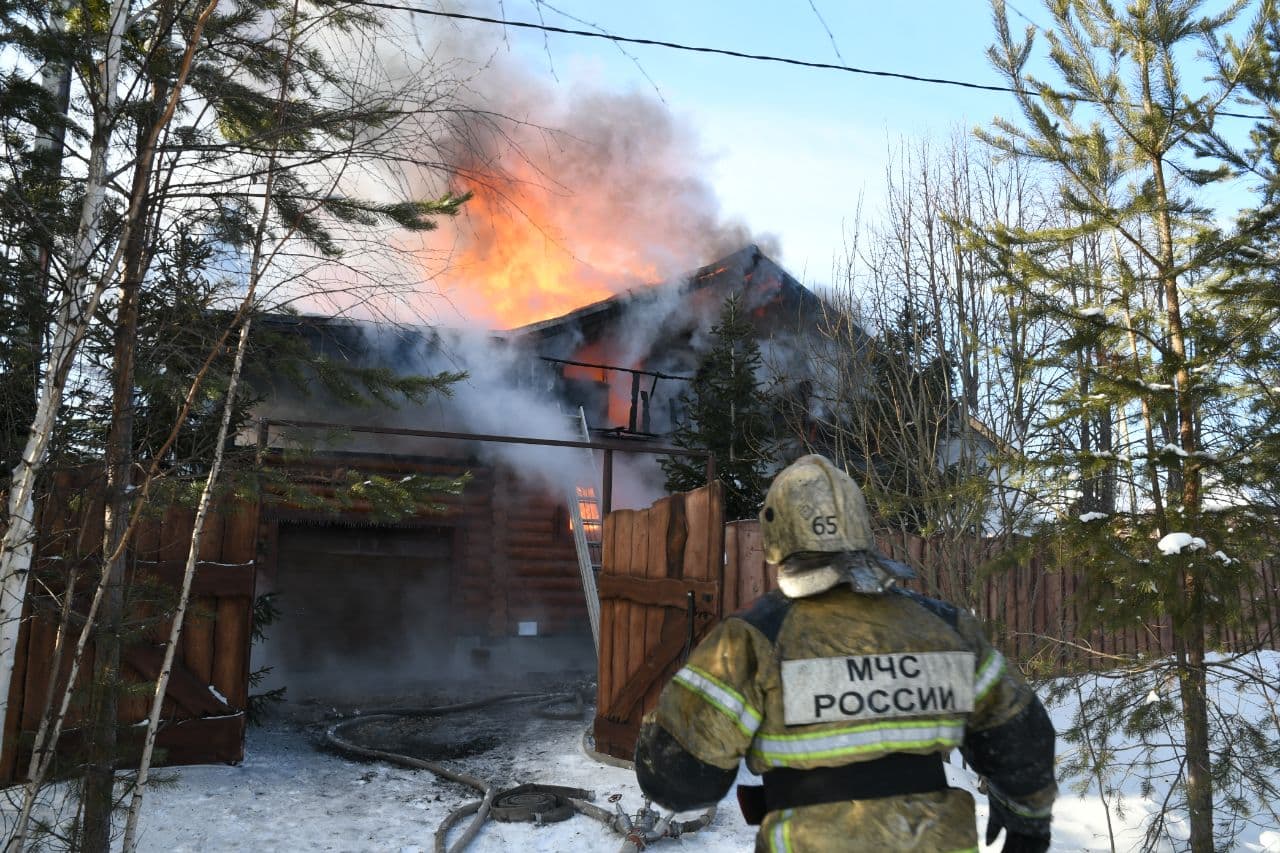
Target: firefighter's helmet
x=815, y=517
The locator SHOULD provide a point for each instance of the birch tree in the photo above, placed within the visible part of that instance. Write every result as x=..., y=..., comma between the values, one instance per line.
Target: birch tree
x=263, y=248
x=78, y=299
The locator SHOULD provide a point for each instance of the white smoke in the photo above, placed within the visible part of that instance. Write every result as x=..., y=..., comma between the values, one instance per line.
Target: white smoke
x=613, y=185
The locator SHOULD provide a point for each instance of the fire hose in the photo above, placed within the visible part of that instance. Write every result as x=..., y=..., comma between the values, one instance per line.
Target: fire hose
x=539, y=803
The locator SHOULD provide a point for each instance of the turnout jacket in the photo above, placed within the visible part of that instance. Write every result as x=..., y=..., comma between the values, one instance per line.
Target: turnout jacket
x=838, y=679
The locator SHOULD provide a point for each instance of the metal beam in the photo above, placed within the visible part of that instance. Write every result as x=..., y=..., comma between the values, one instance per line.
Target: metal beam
x=623, y=446
x=632, y=370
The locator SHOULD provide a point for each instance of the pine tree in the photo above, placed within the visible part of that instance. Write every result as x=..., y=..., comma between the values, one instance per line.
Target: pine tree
x=1145, y=417
x=727, y=415
x=1249, y=297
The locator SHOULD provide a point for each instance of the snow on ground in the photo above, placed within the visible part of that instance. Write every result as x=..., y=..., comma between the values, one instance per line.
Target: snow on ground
x=290, y=796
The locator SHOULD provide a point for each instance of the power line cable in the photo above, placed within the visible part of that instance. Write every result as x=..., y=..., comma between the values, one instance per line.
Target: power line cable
x=737, y=54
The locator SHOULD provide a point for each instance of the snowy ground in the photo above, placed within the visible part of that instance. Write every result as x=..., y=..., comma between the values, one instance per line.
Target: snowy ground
x=290, y=796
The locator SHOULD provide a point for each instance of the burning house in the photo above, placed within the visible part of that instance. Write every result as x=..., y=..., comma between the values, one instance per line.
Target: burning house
x=492, y=582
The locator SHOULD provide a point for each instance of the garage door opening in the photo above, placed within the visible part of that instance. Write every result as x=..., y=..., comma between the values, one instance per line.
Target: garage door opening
x=364, y=612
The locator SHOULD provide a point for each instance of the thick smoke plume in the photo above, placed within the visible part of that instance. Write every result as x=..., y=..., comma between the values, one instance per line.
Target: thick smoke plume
x=579, y=194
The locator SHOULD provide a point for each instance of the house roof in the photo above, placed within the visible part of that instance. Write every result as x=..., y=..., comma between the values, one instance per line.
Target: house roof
x=749, y=266
x=763, y=283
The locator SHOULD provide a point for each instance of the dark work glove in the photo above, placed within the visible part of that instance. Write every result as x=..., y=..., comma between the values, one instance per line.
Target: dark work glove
x=1029, y=836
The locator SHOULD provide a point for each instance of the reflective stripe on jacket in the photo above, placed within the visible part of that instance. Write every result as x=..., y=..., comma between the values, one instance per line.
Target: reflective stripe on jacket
x=867, y=676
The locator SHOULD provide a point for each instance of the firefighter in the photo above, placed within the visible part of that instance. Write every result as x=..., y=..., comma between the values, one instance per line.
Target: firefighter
x=845, y=692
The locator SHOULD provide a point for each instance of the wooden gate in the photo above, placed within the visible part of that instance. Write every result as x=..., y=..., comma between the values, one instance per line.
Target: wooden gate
x=661, y=590
x=203, y=716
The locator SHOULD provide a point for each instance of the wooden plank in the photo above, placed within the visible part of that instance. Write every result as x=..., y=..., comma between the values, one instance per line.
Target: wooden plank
x=211, y=536
x=175, y=533
x=677, y=536
x=1060, y=628
x=619, y=641
x=659, y=520
x=176, y=524
x=1026, y=610
x=204, y=741
x=604, y=660
x=616, y=738
x=146, y=537
x=697, y=513
x=91, y=520
x=660, y=592
x=197, y=637
x=41, y=637
x=675, y=623
x=757, y=577
x=649, y=672
x=197, y=647
x=637, y=617
x=729, y=601
x=218, y=580
x=186, y=689
x=1078, y=655
x=197, y=630
x=231, y=650
x=1041, y=626
x=233, y=626
x=76, y=710
x=715, y=554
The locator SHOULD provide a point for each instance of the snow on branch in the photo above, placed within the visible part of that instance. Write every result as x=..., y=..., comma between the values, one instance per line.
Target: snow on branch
x=1174, y=543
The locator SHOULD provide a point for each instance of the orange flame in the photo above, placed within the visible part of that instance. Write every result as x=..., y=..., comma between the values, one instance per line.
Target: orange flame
x=527, y=253
x=589, y=512
x=619, y=382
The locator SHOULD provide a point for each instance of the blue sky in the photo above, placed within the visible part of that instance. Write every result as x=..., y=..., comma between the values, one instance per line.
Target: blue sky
x=792, y=149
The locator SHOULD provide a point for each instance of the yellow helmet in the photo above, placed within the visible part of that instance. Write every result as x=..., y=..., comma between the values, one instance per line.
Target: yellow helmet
x=815, y=524
x=813, y=506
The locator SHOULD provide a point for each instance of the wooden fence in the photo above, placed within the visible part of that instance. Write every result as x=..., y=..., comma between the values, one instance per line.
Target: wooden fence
x=1034, y=609
x=657, y=561
x=203, y=716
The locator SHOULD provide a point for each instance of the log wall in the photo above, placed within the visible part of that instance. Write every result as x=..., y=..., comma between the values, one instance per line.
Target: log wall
x=514, y=559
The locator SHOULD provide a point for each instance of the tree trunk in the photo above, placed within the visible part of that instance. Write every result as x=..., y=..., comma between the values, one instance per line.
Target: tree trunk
x=1191, y=675
x=76, y=308
x=1191, y=681
x=99, y=779
x=48, y=146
